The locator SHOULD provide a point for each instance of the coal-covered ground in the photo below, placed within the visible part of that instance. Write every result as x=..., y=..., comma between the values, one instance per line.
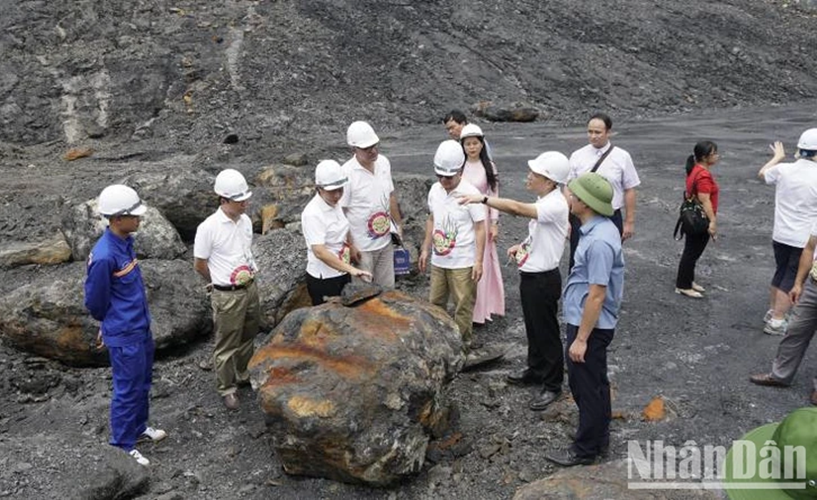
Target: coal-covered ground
x=697, y=354
x=149, y=84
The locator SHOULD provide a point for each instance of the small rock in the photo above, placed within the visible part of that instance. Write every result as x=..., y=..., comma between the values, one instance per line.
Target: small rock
x=77, y=153
x=489, y=450
x=296, y=159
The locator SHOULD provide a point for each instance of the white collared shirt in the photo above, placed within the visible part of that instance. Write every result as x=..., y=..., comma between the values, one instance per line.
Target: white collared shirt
x=323, y=224
x=227, y=247
x=795, y=200
x=366, y=203
x=453, y=240
x=543, y=248
x=617, y=168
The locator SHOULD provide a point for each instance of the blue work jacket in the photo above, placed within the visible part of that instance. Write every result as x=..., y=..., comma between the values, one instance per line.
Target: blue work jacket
x=114, y=291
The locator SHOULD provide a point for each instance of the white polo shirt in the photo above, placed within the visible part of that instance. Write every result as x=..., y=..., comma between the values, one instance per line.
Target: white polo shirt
x=453, y=241
x=366, y=203
x=795, y=201
x=323, y=224
x=542, y=249
x=617, y=168
x=227, y=247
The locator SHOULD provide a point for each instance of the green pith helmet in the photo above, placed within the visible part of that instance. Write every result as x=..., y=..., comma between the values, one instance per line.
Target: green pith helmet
x=595, y=191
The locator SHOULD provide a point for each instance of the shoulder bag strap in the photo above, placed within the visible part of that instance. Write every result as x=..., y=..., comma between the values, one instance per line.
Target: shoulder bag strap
x=598, y=163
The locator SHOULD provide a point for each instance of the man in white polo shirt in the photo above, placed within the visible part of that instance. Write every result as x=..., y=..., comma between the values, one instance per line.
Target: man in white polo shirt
x=456, y=237
x=795, y=209
x=615, y=165
x=540, y=284
x=223, y=256
x=370, y=204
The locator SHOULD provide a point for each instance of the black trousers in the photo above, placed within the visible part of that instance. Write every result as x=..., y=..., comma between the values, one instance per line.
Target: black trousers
x=540, y=304
x=591, y=391
x=694, y=246
x=575, y=224
x=319, y=288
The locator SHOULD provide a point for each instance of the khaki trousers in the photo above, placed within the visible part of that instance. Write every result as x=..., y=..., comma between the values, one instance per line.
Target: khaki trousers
x=463, y=290
x=380, y=263
x=236, y=317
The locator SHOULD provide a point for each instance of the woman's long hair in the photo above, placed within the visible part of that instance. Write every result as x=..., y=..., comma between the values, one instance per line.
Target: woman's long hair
x=487, y=164
x=701, y=151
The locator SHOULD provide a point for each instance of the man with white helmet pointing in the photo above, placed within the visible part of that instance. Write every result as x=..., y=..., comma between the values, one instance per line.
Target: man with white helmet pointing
x=370, y=204
x=115, y=296
x=540, y=284
x=223, y=256
x=456, y=236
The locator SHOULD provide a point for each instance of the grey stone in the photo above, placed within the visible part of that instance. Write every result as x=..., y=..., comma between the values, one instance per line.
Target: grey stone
x=114, y=475
x=156, y=238
x=47, y=316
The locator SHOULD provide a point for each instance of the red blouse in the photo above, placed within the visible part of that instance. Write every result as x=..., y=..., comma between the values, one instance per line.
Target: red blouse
x=700, y=180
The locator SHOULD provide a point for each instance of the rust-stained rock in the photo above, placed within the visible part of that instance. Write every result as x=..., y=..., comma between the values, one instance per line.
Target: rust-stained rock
x=354, y=393
x=51, y=251
x=285, y=187
x=607, y=480
x=77, y=153
x=269, y=221
x=654, y=410
x=47, y=316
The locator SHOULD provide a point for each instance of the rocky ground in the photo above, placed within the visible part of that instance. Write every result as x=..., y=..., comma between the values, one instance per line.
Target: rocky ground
x=156, y=86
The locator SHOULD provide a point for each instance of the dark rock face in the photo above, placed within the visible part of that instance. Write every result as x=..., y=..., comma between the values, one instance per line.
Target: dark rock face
x=113, y=476
x=353, y=393
x=182, y=193
x=156, y=238
x=514, y=112
x=281, y=259
x=47, y=316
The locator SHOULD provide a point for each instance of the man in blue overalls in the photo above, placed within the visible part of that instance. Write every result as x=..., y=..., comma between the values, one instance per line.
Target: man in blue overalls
x=115, y=296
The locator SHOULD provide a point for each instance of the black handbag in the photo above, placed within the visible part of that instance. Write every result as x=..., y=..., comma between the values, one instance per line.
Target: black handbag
x=692, y=219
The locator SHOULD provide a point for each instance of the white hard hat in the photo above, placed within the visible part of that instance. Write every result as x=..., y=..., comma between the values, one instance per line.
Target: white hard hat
x=120, y=200
x=231, y=184
x=808, y=140
x=449, y=158
x=361, y=135
x=329, y=175
x=552, y=164
x=471, y=130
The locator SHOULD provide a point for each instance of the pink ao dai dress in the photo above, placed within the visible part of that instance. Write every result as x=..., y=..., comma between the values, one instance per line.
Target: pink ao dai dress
x=490, y=290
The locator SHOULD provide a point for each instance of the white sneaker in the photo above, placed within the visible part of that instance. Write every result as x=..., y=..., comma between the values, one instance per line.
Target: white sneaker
x=151, y=434
x=776, y=327
x=139, y=458
x=768, y=316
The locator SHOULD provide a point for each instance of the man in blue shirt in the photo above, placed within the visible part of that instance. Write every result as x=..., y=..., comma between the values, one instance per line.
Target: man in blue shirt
x=115, y=296
x=591, y=302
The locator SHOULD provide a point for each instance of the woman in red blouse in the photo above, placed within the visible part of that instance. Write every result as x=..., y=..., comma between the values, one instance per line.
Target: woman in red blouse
x=701, y=184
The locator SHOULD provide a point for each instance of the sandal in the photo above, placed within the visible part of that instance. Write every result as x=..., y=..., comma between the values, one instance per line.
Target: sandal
x=698, y=288
x=689, y=292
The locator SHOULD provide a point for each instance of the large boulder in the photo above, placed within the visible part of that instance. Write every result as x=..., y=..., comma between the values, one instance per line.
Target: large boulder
x=281, y=259
x=48, y=251
x=47, y=315
x=156, y=238
x=352, y=393
x=608, y=480
x=183, y=193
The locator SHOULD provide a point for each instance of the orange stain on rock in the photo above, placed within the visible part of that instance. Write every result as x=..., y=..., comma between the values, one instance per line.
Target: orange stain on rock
x=654, y=410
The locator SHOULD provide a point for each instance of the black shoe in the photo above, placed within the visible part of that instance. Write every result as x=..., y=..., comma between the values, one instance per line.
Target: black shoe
x=541, y=401
x=568, y=458
x=524, y=377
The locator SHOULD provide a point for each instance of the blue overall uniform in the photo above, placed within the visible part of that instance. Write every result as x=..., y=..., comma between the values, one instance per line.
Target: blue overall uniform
x=115, y=296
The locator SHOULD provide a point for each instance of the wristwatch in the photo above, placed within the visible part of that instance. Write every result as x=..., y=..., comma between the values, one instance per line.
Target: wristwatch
x=484, y=200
